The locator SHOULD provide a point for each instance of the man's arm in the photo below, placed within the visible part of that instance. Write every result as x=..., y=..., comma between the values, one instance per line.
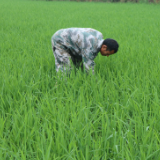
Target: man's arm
x=88, y=63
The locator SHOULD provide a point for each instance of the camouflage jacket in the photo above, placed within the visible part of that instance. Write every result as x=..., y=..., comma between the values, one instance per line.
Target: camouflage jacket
x=81, y=42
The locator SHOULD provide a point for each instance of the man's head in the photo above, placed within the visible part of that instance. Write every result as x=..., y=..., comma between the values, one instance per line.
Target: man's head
x=109, y=47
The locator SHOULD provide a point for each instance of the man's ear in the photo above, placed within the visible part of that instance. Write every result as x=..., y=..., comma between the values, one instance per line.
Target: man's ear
x=104, y=46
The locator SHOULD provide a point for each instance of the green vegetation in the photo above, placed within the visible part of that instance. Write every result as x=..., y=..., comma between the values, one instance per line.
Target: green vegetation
x=123, y=1
x=114, y=114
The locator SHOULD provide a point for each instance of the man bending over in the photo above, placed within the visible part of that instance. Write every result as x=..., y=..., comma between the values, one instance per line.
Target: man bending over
x=81, y=46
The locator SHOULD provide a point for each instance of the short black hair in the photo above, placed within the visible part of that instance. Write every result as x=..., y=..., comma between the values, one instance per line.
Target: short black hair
x=111, y=44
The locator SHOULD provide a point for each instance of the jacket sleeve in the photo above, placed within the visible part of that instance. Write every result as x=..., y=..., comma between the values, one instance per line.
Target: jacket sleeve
x=88, y=62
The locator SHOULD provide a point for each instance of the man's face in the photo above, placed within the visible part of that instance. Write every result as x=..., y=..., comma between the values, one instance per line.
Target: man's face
x=105, y=52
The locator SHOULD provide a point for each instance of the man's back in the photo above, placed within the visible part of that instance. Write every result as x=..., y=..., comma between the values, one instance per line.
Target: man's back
x=79, y=41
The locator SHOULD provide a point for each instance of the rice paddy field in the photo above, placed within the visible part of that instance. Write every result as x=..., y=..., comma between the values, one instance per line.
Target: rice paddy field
x=111, y=115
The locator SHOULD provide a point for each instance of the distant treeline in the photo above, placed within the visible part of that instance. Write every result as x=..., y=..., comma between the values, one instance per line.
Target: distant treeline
x=135, y=1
